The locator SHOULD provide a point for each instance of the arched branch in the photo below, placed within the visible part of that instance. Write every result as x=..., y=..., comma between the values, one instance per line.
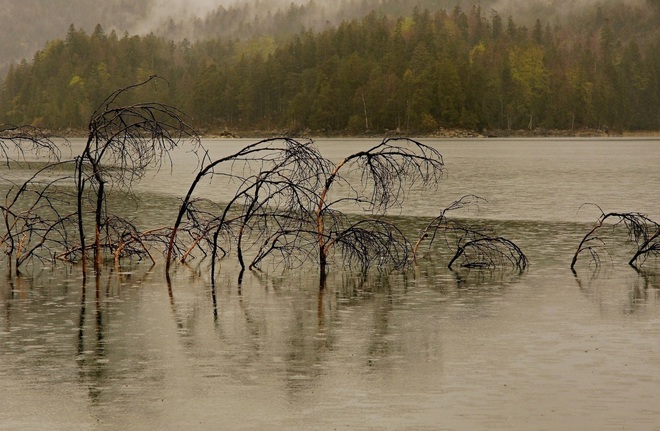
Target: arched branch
x=387, y=171
x=123, y=142
x=16, y=142
x=643, y=233
x=489, y=253
x=441, y=222
x=471, y=247
x=275, y=177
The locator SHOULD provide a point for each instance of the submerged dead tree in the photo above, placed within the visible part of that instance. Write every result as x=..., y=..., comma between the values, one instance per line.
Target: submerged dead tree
x=31, y=210
x=122, y=143
x=471, y=247
x=38, y=216
x=61, y=200
x=288, y=204
x=276, y=182
x=642, y=232
x=277, y=201
x=385, y=173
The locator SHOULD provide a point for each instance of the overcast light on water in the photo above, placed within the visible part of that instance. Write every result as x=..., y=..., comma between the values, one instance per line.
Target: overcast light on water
x=426, y=349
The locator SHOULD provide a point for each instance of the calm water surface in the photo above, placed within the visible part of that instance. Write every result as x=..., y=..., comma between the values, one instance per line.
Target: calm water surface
x=429, y=349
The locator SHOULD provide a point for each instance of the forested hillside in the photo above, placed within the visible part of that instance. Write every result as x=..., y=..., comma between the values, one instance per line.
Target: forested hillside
x=428, y=69
x=29, y=24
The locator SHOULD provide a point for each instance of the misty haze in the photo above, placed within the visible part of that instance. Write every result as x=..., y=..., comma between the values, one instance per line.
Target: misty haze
x=330, y=215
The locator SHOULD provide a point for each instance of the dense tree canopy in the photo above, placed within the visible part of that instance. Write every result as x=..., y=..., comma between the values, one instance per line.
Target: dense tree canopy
x=457, y=68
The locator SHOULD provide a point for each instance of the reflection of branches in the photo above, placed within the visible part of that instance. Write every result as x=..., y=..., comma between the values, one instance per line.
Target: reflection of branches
x=642, y=288
x=469, y=279
x=472, y=248
x=643, y=232
x=646, y=286
x=650, y=280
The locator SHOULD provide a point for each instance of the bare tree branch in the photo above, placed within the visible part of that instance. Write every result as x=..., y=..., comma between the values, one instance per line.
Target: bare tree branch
x=471, y=247
x=643, y=234
x=388, y=170
x=17, y=141
x=123, y=142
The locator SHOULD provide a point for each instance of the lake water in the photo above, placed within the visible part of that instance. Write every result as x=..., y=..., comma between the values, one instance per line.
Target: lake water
x=429, y=349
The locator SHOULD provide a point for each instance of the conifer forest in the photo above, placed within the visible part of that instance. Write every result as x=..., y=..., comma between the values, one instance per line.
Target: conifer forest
x=382, y=72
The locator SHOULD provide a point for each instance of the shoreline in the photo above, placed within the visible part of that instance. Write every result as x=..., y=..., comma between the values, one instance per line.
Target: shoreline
x=452, y=133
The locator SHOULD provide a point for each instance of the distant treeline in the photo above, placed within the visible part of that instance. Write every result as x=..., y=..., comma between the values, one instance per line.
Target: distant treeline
x=469, y=69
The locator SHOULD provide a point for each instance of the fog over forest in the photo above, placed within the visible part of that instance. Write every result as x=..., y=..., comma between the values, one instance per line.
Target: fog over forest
x=29, y=24
x=347, y=66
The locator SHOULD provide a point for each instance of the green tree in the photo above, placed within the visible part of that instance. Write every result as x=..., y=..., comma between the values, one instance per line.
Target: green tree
x=451, y=97
x=530, y=80
x=419, y=87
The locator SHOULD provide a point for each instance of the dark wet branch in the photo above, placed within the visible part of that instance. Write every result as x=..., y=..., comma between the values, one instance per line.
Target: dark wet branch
x=123, y=142
x=643, y=234
x=471, y=247
x=372, y=243
x=441, y=223
x=647, y=249
x=388, y=170
x=17, y=142
x=275, y=180
x=280, y=208
x=37, y=215
x=489, y=253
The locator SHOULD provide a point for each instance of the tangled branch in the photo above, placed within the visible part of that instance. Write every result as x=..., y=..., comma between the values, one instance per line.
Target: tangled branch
x=471, y=248
x=643, y=233
x=276, y=182
x=388, y=170
x=123, y=142
x=22, y=140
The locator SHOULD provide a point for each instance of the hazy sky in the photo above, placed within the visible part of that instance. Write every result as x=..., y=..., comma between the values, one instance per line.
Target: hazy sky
x=177, y=9
x=201, y=7
x=165, y=9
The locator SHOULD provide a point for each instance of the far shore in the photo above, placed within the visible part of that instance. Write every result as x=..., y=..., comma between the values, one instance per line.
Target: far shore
x=450, y=133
